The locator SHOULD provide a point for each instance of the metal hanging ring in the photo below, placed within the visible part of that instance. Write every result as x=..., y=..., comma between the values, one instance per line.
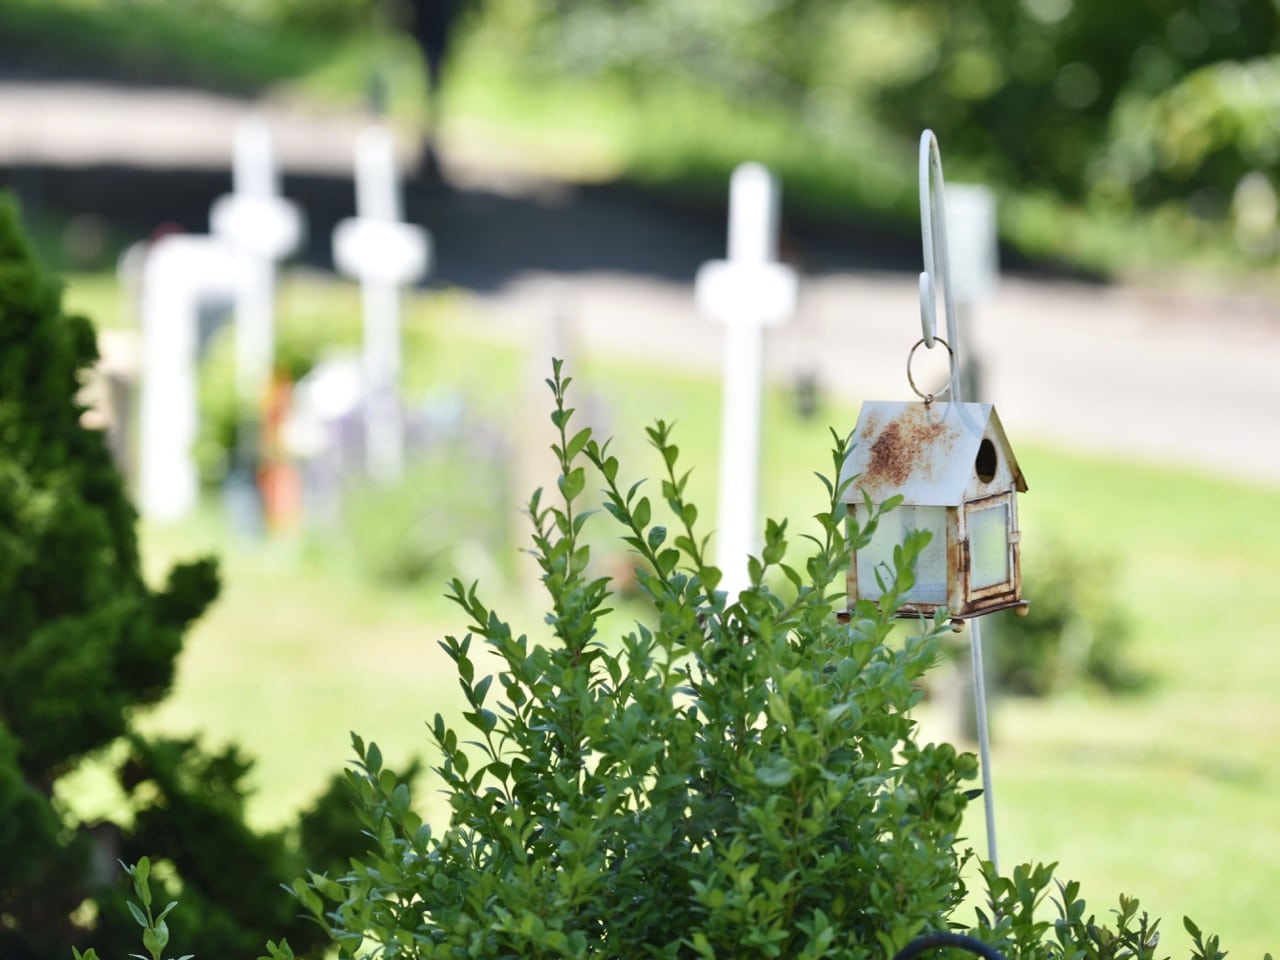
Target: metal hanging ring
x=951, y=367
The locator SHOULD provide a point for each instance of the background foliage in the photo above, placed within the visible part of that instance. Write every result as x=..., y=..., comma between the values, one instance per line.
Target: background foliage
x=1116, y=108
x=1119, y=136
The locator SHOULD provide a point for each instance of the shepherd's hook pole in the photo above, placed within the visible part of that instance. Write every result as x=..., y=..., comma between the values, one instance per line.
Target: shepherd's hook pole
x=933, y=229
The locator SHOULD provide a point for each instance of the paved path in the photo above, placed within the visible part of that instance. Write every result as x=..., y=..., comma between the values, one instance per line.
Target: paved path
x=1115, y=370
x=1152, y=374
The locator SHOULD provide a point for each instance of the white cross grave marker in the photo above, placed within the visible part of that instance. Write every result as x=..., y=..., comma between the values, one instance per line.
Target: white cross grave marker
x=384, y=254
x=179, y=271
x=747, y=292
x=262, y=228
x=975, y=268
x=971, y=227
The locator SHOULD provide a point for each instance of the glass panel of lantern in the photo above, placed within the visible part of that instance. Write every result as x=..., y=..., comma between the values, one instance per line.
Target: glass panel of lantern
x=876, y=559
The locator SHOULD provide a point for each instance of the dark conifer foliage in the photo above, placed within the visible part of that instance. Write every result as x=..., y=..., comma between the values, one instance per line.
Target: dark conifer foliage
x=84, y=643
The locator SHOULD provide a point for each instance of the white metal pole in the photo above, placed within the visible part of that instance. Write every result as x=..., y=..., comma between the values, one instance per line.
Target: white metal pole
x=984, y=737
x=934, y=223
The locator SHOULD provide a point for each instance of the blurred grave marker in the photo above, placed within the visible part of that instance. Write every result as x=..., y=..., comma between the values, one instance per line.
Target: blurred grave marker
x=262, y=228
x=975, y=267
x=746, y=292
x=181, y=273
x=384, y=254
x=975, y=271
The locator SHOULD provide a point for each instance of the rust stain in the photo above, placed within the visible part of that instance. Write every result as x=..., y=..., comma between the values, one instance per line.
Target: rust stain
x=905, y=448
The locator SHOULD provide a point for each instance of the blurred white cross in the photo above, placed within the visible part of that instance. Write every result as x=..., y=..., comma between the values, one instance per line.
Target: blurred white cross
x=261, y=227
x=383, y=253
x=747, y=292
x=179, y=272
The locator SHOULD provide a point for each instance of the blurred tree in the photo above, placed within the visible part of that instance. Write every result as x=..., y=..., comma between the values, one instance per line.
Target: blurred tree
x=1132, y=104
x=83, y=639
x=1040, y=91
x=432, y=25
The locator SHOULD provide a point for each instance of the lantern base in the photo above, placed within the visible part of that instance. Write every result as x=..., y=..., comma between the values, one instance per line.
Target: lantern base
x=908, y=612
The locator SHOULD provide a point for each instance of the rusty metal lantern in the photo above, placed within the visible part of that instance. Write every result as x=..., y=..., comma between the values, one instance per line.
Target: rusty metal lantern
x=959, y=479
x=949, y=460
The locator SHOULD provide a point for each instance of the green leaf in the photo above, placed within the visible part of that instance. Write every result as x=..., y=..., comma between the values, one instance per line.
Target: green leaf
x=160, y=934
x=149, y=941
x=400, y=799
x=138, y=915
x=573, y=483
x=670, y=454
x=754, y=752
x=641, y=513
x=776, y=773
x=140, y=872
x=560, y=418
x=577, y=443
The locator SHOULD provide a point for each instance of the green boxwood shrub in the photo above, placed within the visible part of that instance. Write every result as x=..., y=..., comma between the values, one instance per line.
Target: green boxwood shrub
x=734, y=776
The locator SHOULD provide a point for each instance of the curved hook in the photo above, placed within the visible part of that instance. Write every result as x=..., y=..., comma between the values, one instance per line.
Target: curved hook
x=934, y=941
x=933, y=233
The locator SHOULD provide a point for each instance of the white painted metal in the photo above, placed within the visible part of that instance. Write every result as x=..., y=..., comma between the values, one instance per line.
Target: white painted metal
x=746, y=292
x=942, y=474
x=933, y=200
x=936, y=261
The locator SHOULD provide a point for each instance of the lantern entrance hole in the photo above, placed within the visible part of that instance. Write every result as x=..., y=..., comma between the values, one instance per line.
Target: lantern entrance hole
x=985, y=463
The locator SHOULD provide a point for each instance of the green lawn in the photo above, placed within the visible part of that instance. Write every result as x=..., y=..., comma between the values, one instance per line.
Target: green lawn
x=1167, y=795
x=1170, y=795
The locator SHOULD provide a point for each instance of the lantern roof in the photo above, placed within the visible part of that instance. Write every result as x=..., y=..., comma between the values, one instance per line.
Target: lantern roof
x=931, y=454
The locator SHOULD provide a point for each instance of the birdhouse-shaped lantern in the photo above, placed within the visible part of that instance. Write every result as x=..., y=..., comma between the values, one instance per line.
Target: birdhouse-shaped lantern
x=959, y=480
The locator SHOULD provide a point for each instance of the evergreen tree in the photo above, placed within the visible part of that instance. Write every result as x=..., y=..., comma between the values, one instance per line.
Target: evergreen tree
x=84, y=642
x=82, y=638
